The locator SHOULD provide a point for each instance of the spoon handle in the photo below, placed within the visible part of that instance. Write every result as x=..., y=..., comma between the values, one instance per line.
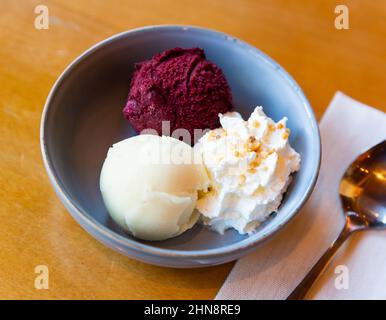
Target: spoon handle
x=305, y=285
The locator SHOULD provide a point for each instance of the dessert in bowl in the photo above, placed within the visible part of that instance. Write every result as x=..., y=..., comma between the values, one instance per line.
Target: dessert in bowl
x=83, y=119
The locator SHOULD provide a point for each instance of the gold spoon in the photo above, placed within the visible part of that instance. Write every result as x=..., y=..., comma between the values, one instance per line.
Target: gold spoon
x=363, y=195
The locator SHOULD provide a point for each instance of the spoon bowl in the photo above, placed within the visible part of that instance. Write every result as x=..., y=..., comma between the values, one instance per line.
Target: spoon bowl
x=363, y=187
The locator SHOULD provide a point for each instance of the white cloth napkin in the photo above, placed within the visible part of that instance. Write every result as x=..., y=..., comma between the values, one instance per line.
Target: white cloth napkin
x=274, y=270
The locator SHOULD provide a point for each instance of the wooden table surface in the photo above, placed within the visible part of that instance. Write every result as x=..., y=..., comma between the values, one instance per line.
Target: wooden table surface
x=35, y=229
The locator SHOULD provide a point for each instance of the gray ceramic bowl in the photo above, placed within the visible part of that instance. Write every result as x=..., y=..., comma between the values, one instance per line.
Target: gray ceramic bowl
x=83, y=117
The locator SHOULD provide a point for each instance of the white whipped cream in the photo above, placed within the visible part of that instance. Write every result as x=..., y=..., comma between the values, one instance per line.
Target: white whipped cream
x=249, y=164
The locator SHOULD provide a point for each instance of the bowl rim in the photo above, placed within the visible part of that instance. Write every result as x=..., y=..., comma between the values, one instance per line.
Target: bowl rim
x=127, y=243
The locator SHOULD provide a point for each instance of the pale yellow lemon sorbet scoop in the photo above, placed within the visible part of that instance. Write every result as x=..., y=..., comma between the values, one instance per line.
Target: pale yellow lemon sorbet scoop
x=150, y=186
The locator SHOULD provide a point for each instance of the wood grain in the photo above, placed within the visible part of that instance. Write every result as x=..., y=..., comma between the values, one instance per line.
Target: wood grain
x=35, y=228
